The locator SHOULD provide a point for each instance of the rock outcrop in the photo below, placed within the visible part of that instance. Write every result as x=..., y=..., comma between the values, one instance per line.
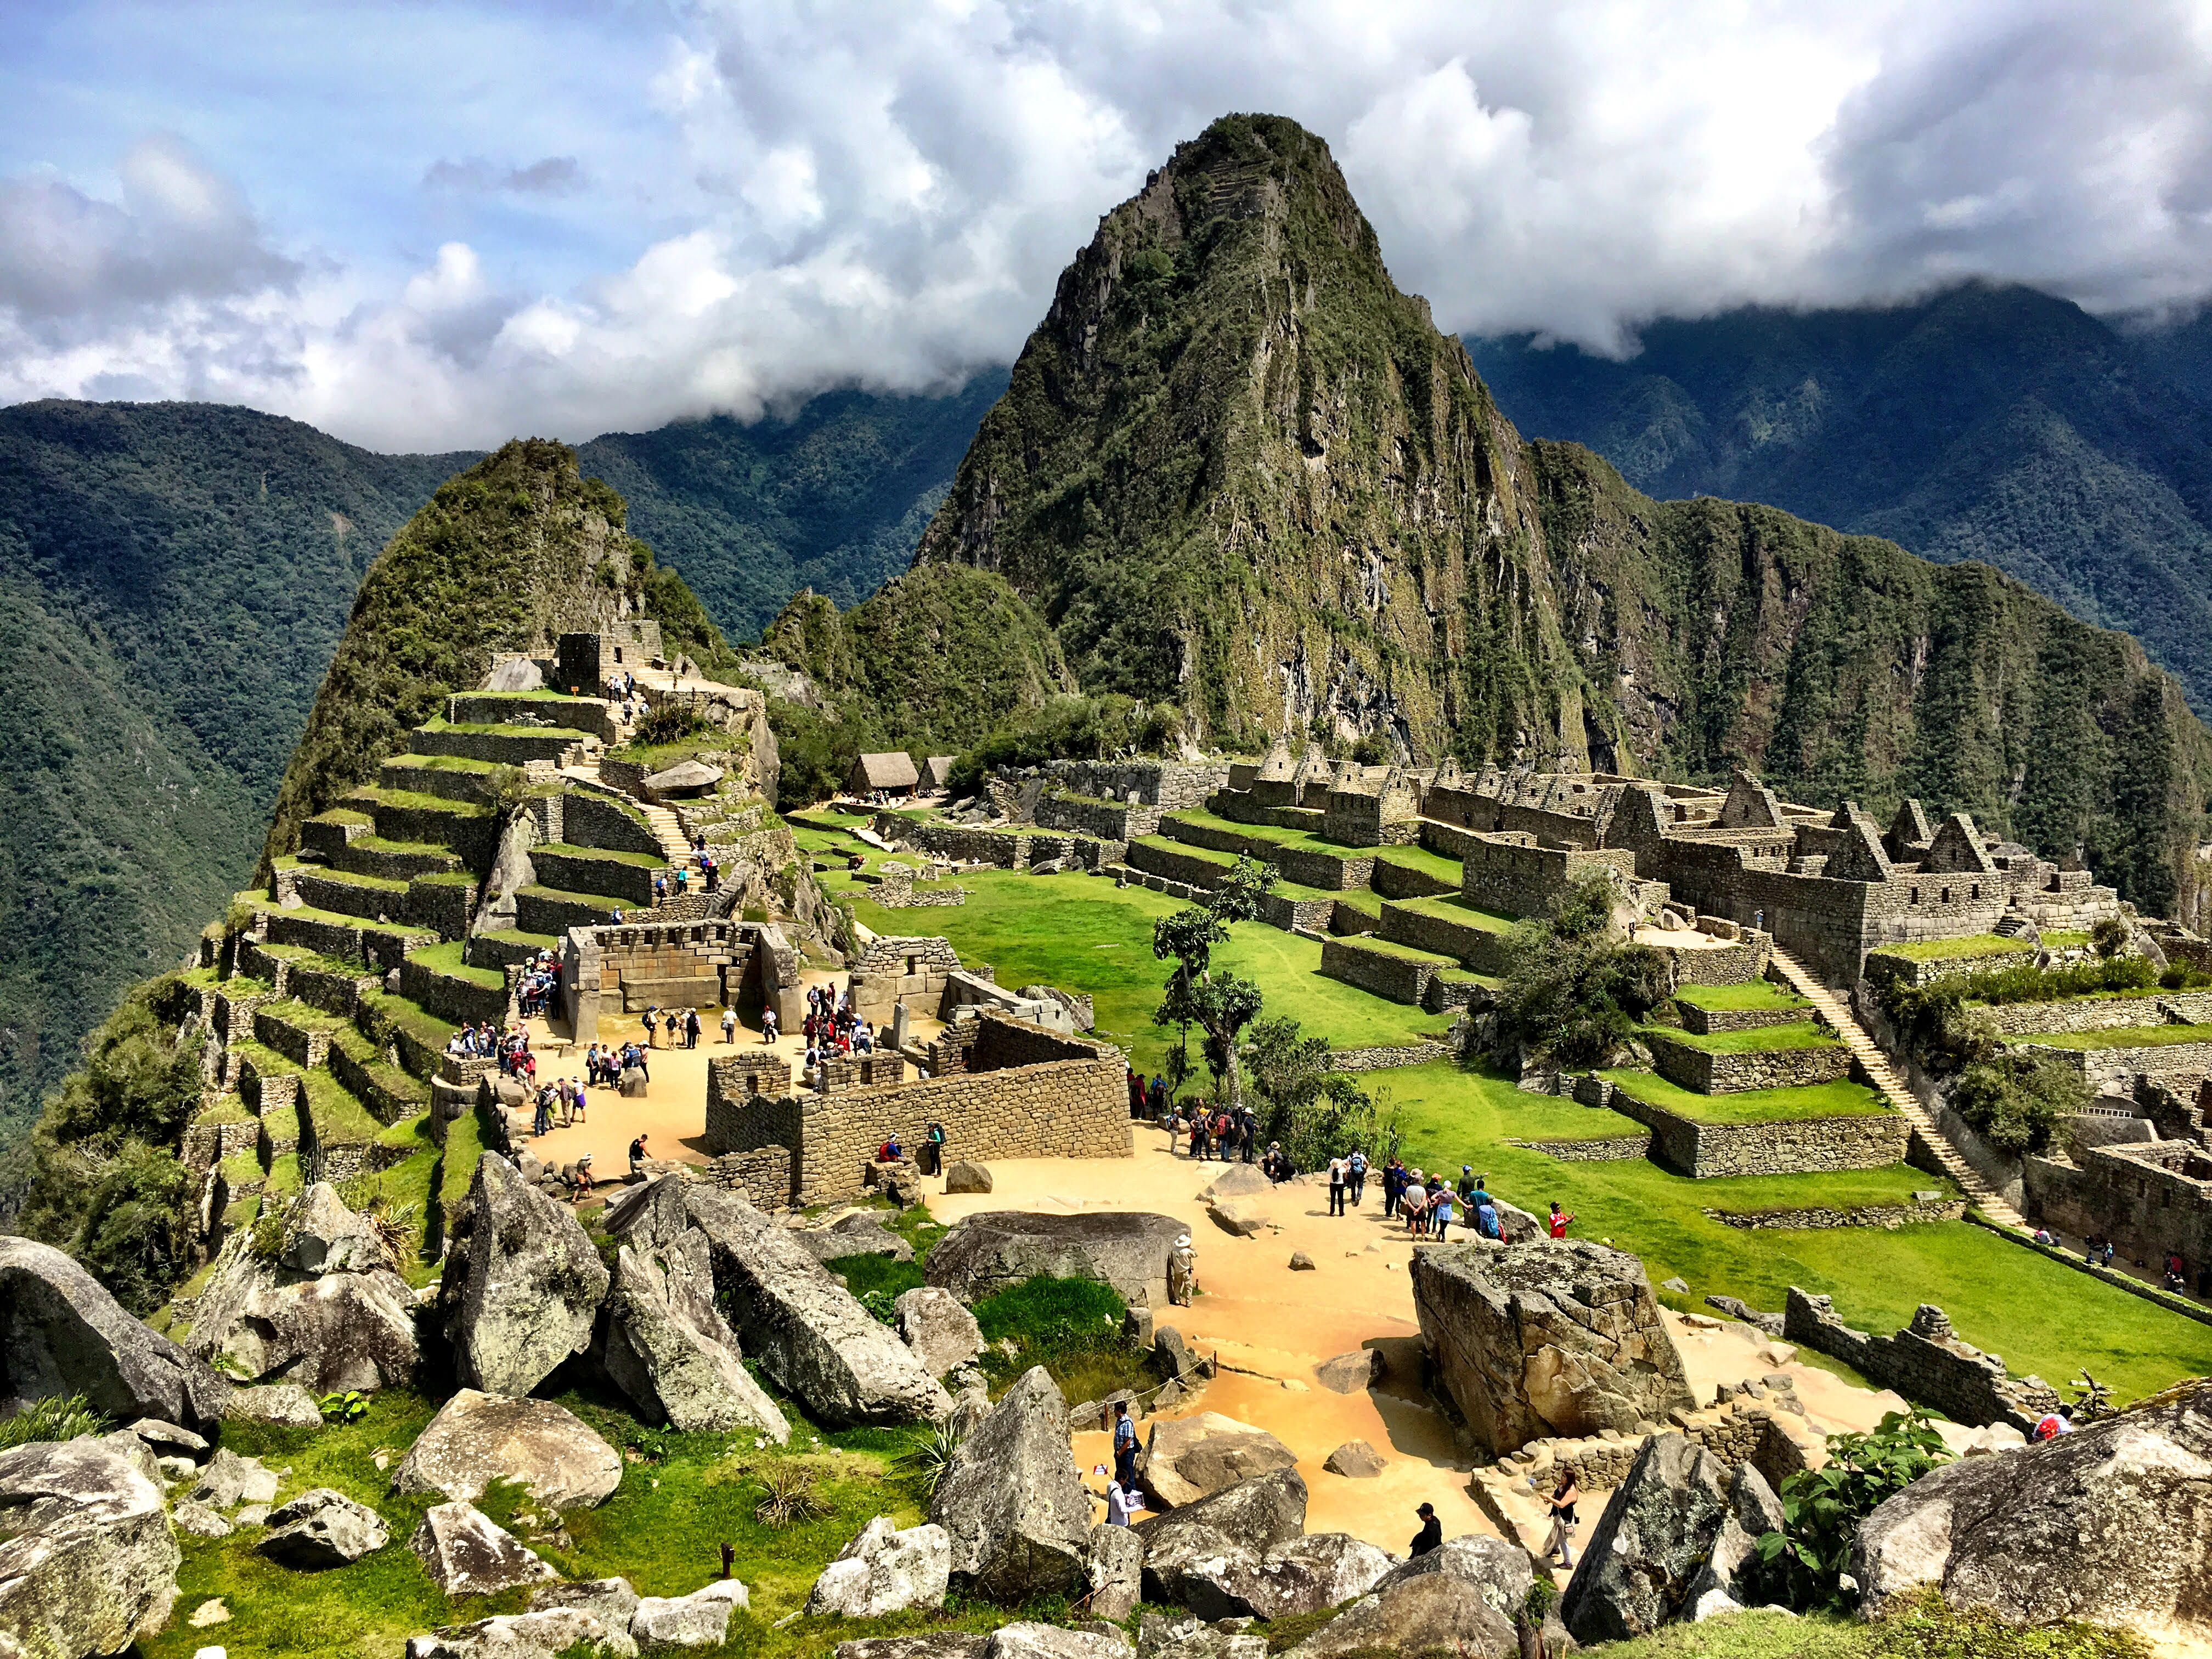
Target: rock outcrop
x=322, y=1528
x=467, y=1553
x=1186, y=1549
x=1753, y=1511
x=885, y=1570
x=522, y=1286
x=815, y=1341
x=1304, y=1574
x=230, y=1480
x=1657, y=1530
x=539, y=1635
x=997, y=1250
x=87, y=1561
x=345, y=1321
x=943, y=1334
x=701, y=1619
x=965, y=1177
x=286, y=1405
x=1011, y=1502
x=477, y=1439
x=1435, y=1610
x=1500, y=1572
x=1556, y=1337
x=1117, y=1571
x=2112, y=1524
x=668, y=1348
x=1185, y=1458
x=61, y=1333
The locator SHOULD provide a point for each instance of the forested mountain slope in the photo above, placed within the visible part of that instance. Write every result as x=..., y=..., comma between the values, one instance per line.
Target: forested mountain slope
x=1988, y=422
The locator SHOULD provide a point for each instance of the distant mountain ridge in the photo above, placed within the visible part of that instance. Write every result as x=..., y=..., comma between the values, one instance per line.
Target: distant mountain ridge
x=1991, y=422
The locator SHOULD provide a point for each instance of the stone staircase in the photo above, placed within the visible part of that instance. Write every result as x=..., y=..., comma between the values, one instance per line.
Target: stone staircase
x=1838, y=1014
x=668, y=830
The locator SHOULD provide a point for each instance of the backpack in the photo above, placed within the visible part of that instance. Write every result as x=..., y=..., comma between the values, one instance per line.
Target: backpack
x=1486, y=1221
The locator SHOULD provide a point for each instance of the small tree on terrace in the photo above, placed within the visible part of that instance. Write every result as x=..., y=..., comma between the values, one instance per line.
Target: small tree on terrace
x=1219, y=1003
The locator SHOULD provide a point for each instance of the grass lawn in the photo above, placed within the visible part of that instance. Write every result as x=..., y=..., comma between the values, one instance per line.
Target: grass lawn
x=1753, y=1105
x=2042, y=1316
x=444, y=960
x=1945, y=949
x=1419, y=858
x=1751, y=993
x=2130, y=1036
x=1446, y=906
x=1390, y=947
x=609, y=855
x=1759, y=1040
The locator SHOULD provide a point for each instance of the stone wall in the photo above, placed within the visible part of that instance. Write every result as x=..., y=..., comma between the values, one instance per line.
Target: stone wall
x=1706, y=1021
x=605, y=968
x=457, y=1000
x=207, y=1145
x=1172, y=864
x=381, y=949
x=1332, y=872
x=606, y=878
x=1925, y=1362
x=1813, y=1218
x=1104, y=820
x=1609, y=1149
x=909, y=970
x=1396, y=978
x=2178, y=1065
x=501, y=748
x=2099, y=1014
x=1705, y=1150
x=1726, y=964
x=2147, y=1200
x=588, y=819
x=1705, y=1073
x=589, y=714
x=1393, y=880
x=1882, y=966
x=1754, y=1428
x=448, y=783
x=1477, y=948
x=1168, y=785
x=1385, y=1058
x=1514, y=876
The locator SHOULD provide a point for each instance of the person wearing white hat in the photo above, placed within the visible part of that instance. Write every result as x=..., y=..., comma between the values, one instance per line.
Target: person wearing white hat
x=1183, y=1272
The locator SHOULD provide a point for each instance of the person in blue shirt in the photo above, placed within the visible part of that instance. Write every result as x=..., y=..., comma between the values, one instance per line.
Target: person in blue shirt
x=1124, y=1445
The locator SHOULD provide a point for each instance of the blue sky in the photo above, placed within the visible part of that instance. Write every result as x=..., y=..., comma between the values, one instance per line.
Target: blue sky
x=423, y=226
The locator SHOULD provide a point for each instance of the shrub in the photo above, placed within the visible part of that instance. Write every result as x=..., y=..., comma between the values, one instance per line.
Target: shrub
x=792, y=1493
x=1573, y=991
x=2109, y=937
x=2014, y=1101
x=668, y=722
x=58, y=1417
x=1799, y=1566
x=928, y=1464
x=1071, y=728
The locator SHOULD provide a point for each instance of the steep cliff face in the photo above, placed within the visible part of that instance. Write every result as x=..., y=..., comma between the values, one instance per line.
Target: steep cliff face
x=1236, y=467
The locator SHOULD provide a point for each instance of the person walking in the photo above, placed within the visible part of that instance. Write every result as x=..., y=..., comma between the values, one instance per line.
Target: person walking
x=1336, y=1186
x=1124, y=1444
x=1355, y=1175
x=1440, y=1212
x=1432, y=1534
x=730, y=1025
x=691, y=1028
x=1560, y=1541
x=1183, y=1272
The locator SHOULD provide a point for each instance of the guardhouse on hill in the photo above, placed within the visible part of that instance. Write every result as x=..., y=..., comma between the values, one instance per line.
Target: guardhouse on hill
x=893, y=773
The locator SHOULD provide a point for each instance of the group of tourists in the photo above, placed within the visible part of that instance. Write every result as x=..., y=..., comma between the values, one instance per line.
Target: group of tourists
x=604, y=1065
x=540, y=984
x=1148, y=1101
x=683, y=1026
x=832, y=1027
x=665, y=888
x=2174, y=1277
x=559, y=1105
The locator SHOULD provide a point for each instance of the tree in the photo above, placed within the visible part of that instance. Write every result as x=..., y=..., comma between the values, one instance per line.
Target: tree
x=1313, y=1112
x=1574, y=992
x=1219, y=1003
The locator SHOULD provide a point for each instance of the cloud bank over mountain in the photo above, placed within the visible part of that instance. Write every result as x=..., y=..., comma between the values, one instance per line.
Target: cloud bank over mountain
x=431, y=228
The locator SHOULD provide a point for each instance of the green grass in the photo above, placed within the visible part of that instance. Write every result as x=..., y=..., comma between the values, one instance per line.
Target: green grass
x=416, y=801
x=1748, y=994
x=457, y=1164
x=1757, y=1040
x=2129, y=1036
x=228, y=1109
x=447, y=763
x=444, y=960
x=1946, y=950
x=411, y=1017
x=516, y=935
x=1364, y=900
x=1927, y=1630
x=1753, y=1105
x=2040, y=1314
x=1446, y=906
x=342, y=815
x=1390, y=947
x=596, y=901
x=2065, y=940
x=1421, y=859
x=607, y=854
x=354, y=878
x=568, y=733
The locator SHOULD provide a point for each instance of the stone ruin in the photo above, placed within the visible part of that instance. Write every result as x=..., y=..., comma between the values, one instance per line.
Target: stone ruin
x=1925, y=1362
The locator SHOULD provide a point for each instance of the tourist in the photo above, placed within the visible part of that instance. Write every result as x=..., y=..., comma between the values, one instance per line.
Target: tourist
x=1336, y=1177
x=1251, y=1132
x=1413, y=1203
x=637, y=1154
x=1183, y=1272
x=2043, y=1236
x=2089, y=1251
x=770, y=1031
x=691, y=1028
x=2051, y=1426
x=543, y=1122
x=652, y=1027
x=932, y=1141
x=1275, y=1166
x=1118, y=1504
x=730, y=1026
x=1394, y=1188
x=1432, y=1534
x=1197, y=1136
x=2108, y=1253
x=1136, y=1085
x=1124, y=1444
x=1484, y=1218
x=1563, y=1496
x=1467, y=1184
x=1440, y=1212
x=1561, y=1221
x=1355, y=1175
x=580, y=1180
x=576, y=1104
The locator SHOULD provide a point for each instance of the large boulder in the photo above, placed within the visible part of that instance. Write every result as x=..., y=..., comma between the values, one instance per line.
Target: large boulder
x=1753, y=1511
x=2112, y=1524
x=522, y=1285
x=1657, y=1532
x=1435, y=1610
x=701, y=1619
x=322, y=1236
x=329, y=1329
x=998, y=1249
x=668, y=1348
x=929, y=1644
x=230, y=1480
x=1010, y=1502
x=942, y=1333
x=538, y=1635
x=885, y=1570
x=322, y=1528
x=477, y=1439
x=1500, y=1572
x=1302, y=1574
x=87, y=1561
x=61, y=1333
x=1184, y=1549
x=1117, y=1571
x=1027, y=1640
x=815, y=1341
x=1186, y=1457
x=861, y=1233
x=467, y=1553
x=286, y=1405
x=1558, y=1337
x=967, y=1177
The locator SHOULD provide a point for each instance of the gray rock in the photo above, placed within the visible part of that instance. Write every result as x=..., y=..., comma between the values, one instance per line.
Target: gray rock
x=1753, y=1511
x=1559, y=1337
x=1175, y=1355
x=168, y=1437
x=1117, y=1571
x=1302, y=1575
x=327, y=1329
x=199, y=1520
x=997, y=1250
x=522, y=1285
x=967, y=1177
x=1184, y=1548
x=1355, y=1460
x=1501, y=1572
x=943, y=1334
x=286, y=1405
x=322, y=1528
x=515, y=674
x=1027, y=1640
x=930, y=1644
x=1435, y=1610
x=62, y=1334
x=885, y=1570
x=1351, y=1373
x=1186, y=1457
x=477, y=1439
x=1735, y=1308
x=1657, y=1529
x=701, y=1619
x=668, y=1348
x=650, y=1215
x=230, y=1480
x=815, y=1341
x=1015, y=1513
x=322, y=1236
x=612, y=1601
x=1238, y=1180
x=1233, y=1218
x=864, y=1234
x=1302, y=1263
x=88, y=1561
x=467, y=1553
x=2110, y=1524
x=515, y=1635
x=1679, y=1286
x=253, y=1515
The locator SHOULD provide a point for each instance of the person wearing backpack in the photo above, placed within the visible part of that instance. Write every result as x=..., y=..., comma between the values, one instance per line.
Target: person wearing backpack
x=1356, y=1175
x=1485, y=1220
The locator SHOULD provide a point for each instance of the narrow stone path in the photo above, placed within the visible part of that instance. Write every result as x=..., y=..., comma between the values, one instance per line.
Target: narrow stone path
x=1845, y=1024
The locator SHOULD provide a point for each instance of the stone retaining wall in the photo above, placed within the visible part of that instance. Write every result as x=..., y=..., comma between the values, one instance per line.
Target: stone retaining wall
x=1172, y=865
x=2098, y=1013
x=1385, y=1059
x=1706, y=1151
x=1609, y=1149
x=458, y=1001
x=1476, y=948
x=449, y=783
x=381, y=948
x=608, y=878
x=2179, y=1066
x=207, y=1145
x=1925, y=1362
x=1708, y=1022
x=387, y=1105
x=1103, y=820
x=1704, y=1073
x=1395, y=978
x=502, y=707
x=302, y=1045
x=442, y=903
x=1726, y=964
x=588, y=819
x=1329, y=871
x=1402, y=881
x=1813, y=1218
x=501, y=748
x=473, y=835
x=1515, y=877
x=388, y=865
x=1882, y=966
x=1749, y=1428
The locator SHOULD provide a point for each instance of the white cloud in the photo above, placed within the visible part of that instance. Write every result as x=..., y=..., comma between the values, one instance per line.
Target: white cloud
x=886, y=193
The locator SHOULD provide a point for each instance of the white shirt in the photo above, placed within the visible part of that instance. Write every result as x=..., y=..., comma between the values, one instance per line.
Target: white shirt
x=1117, y=1505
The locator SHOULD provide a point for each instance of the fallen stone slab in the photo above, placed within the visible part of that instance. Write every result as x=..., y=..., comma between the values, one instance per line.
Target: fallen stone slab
x=166, y=1437
x=323, y=1236
x=1301, y=1575
x=1753, y=1511
x=89, y=1562
x=929, y=1644
x=701, y=1619
x=1117, y=1571
x=1035, y=1641
x=942, y=1333
x=230, y=1480
x=322, y=1528
x=886, y=1570
x=1351, y=1373
x=669, y=1349
x=286, y=1405
x=1011, y=1505
x=477, y=1439
x=997, y=1250
x=1244, y=1521
x=1656, y=1533
x=1355, y=1460
x=62, y=1334
x=467, y=1553
x=522, y=1285
x=1236, y=1218
x=1238, y=1180
x=518, y=1636
x=327, y=1331
x=1501, y=1572
x=1186, y=1457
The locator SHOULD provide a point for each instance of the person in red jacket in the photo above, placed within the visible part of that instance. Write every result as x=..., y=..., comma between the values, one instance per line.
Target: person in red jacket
x=1560, y=1220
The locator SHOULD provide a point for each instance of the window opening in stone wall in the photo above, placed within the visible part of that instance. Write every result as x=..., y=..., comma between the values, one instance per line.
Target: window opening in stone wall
x=1946, y=895
x=1914, y=898
x=913, y=964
